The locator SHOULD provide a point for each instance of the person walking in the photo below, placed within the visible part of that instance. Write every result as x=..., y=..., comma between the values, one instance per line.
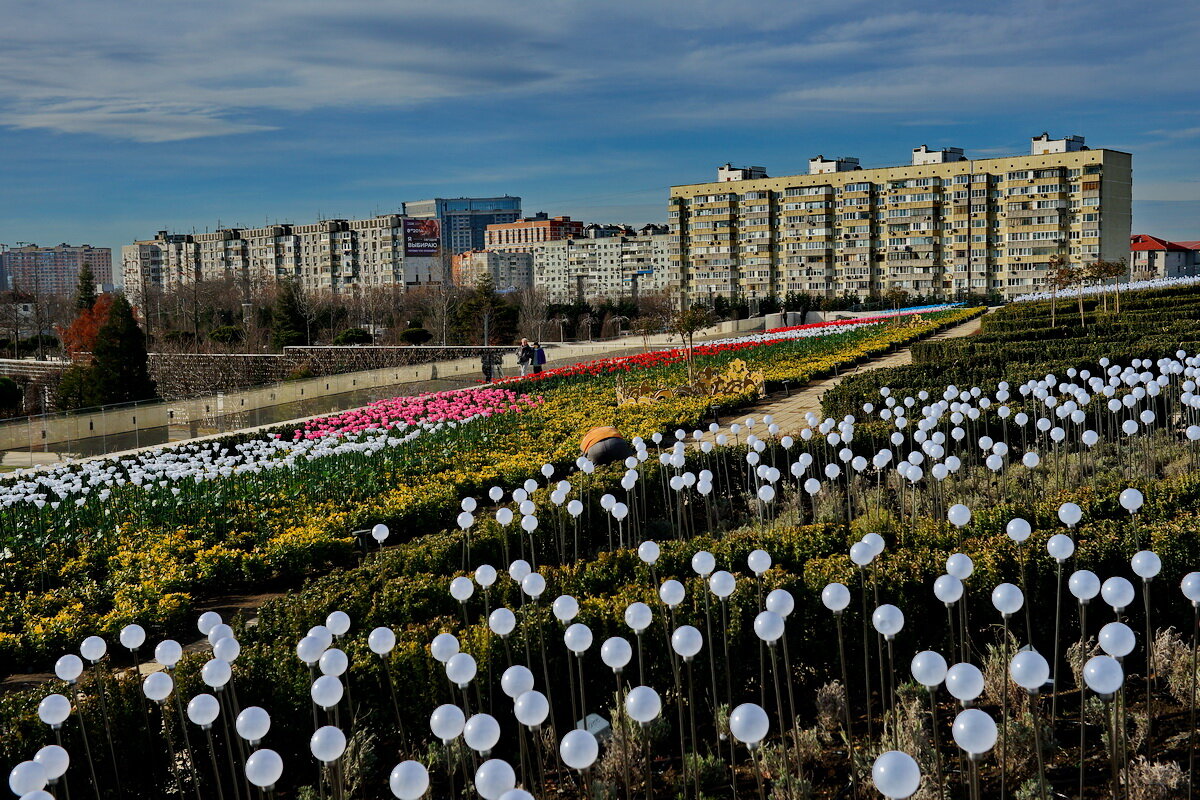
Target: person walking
x=525, y=357
x=539, y=357
x=492, y=365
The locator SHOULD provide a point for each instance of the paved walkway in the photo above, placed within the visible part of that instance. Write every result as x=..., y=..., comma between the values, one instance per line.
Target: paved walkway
x=788, y=412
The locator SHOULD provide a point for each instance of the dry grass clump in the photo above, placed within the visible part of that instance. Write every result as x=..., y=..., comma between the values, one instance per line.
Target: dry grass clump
x=1154, y=780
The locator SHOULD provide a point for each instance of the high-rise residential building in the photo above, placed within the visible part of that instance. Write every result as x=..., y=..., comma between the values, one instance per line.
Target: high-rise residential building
x=336, y=256
x=163, y=263
x=942, y=225
x=605, y=265
x=729, y=172
x=1152, y=257
x=53, y=270
x=510, y=271
x=464, y=220
x=524, y=234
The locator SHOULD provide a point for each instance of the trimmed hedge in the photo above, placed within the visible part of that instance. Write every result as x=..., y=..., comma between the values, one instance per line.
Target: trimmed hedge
x=1017, y=344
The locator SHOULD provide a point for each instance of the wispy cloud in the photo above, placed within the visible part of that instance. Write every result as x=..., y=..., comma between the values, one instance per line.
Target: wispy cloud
x=234, y=109
x=1177, y=133
x=129, y=120
x=173, y=71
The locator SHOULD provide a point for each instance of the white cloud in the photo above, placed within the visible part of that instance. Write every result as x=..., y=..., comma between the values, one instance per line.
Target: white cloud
x=168, y=71
x=130, y=121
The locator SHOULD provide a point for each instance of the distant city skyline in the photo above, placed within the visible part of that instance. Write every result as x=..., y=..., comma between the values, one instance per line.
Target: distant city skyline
x=112, y=130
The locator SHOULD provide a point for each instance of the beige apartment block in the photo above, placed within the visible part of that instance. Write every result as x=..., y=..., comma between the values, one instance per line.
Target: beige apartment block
x=509, y=271
x=335, y=256
x=605, y=266
x=943, y=225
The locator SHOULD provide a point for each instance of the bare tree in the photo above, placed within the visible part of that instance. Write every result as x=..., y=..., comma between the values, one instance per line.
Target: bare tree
x=687, y=323
x=195, y=308
x=31, y=296
x=1079, y=279
x=439, y=303
x=654, y=312
x=256, y=318
x=11, y=316
x=561, y=321
x=1103, y=271
x=586, y=321
x=1058, y=277
x=646, y=327
x=531, y=311
x=896, y=297
x=309, y=305
x=616, y=321
x=657, y=305
x=58, y=310
x=378, y=302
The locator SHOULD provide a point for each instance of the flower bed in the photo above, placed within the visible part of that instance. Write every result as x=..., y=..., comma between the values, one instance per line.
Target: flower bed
x=92, y=548
x=807, y=533
x=405, y=589
x=452, y=406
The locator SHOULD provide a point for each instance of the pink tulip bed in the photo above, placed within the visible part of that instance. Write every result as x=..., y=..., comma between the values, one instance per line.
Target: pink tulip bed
x=467, y=404
x=434, y=407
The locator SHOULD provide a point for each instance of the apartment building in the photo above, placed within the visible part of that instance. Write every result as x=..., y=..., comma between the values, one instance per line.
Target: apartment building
x=943, y=224
x=334, y=256
x=510, y=271
x=605, y=265
x=1153, y=257
x=524, y=234
x=52, y=270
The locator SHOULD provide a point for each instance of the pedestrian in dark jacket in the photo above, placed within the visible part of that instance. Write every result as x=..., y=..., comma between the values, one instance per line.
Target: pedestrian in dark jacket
x=491, y=361
x=525, y=356
x=539, y=357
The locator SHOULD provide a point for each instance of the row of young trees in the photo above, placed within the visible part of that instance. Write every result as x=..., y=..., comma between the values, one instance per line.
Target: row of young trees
x=1064, y=275
x=288, y=315
x=225, y=316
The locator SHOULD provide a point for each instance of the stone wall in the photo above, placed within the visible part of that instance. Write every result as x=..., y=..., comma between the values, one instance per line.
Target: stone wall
x=184, y=375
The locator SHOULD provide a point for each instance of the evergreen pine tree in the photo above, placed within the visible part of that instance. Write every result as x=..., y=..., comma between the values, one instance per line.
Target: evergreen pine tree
x=76, y=388
x=287, y=318
x=85, y=293
x=119, y=364
x=486, y=309
x=11, y=394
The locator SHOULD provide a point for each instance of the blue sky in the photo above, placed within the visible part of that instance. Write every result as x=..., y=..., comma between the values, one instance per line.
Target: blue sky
x=119, y=119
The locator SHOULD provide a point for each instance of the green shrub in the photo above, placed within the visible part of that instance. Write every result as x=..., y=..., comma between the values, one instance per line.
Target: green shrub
x=353, y=336
x=415, y=336
x=301, y=373
x=11, y=394
x=226, y=334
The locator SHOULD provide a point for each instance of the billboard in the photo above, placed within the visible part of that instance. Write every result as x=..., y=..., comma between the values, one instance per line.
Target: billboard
x=422, y=237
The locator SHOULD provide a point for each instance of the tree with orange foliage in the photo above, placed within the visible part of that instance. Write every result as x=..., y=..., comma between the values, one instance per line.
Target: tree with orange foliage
x=79, y=338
